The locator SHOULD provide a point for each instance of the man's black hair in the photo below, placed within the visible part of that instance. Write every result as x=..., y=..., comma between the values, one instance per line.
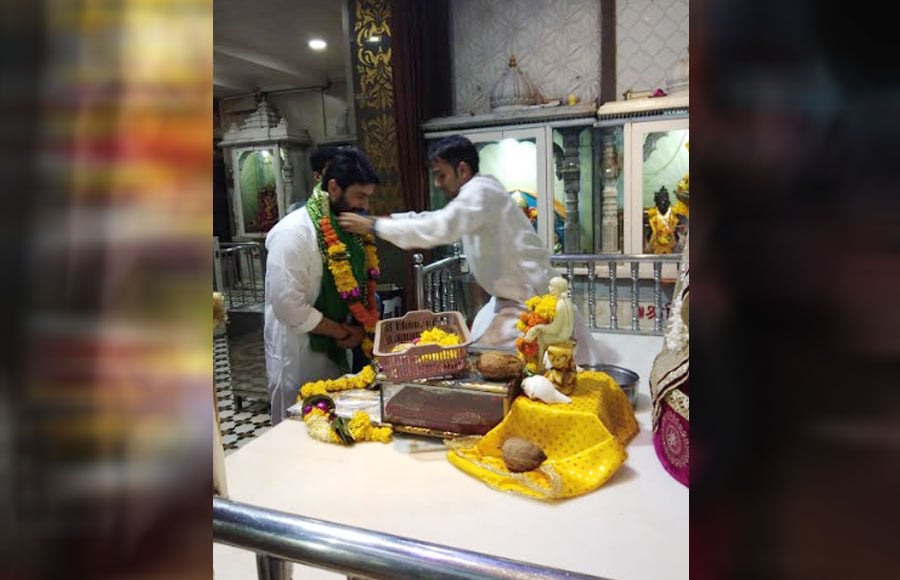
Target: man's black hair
x=320, y=158
x=454, y=149
x=348, y=167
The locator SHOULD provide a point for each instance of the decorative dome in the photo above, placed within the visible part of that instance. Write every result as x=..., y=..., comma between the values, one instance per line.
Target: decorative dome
x=513, y=90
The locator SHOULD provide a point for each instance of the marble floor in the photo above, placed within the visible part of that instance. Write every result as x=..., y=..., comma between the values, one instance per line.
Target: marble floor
x=240, y=365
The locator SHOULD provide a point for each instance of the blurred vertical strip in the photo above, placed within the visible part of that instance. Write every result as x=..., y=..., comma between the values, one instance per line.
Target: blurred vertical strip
x=795, y=250
x=21, y=45
x=108, y=440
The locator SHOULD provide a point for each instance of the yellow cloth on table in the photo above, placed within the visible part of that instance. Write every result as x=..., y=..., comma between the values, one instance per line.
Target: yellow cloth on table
x=584, y=441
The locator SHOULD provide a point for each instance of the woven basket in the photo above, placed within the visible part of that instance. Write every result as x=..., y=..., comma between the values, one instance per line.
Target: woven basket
x=428, y=360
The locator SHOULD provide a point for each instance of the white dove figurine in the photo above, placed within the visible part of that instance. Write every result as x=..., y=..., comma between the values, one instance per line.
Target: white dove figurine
x=538, y=387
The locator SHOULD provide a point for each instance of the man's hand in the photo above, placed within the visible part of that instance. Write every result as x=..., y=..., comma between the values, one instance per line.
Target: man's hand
x=355, y=335
x=355, y=223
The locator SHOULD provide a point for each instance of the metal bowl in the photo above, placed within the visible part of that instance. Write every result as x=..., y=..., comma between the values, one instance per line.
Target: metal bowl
x=626, y=378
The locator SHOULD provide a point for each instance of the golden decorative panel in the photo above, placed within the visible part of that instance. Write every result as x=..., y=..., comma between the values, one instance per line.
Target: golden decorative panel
x=373, y=80
x=379, y=140
x=376, y=78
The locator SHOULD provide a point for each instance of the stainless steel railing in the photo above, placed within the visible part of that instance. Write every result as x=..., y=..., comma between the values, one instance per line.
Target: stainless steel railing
x=571, y=267
x=279, y=538
x=437, y=286
x=239, y=273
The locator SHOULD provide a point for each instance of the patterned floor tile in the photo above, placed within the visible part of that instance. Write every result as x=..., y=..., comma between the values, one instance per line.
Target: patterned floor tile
x=243, y=373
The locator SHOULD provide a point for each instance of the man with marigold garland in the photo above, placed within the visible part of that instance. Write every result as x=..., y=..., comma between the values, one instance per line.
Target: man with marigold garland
x=320, y=303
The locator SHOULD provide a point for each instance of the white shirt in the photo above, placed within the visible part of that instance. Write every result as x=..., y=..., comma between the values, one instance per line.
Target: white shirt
x=504, y=252
x=293, y=281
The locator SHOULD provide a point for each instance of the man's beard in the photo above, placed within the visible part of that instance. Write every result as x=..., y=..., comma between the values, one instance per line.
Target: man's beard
x=340, y=205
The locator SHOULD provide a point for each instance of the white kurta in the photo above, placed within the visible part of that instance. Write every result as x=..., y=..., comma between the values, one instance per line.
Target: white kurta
x=504, y=253
x=293, y=281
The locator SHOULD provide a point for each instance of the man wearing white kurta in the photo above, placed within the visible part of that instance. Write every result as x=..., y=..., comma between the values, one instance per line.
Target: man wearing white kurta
x=295, y=283
x=503, y=251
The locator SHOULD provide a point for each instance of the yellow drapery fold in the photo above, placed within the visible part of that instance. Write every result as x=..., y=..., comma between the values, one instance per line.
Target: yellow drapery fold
x=584, y=441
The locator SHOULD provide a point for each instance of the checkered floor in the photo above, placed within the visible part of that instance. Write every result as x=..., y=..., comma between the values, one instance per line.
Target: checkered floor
x=238, y=427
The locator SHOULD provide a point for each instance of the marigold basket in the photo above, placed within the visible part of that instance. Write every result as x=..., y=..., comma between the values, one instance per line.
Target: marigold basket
x=421, y=361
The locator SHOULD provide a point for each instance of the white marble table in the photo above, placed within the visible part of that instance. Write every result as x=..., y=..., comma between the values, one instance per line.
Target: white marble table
x=634, y=527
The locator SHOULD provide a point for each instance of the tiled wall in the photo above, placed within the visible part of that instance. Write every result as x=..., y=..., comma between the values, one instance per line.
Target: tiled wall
x=651, y=36
x=556, y=43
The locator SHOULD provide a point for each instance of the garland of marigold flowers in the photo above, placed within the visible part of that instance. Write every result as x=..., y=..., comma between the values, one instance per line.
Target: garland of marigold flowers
x=360, y=380
x=345, y=281
x=319, y=426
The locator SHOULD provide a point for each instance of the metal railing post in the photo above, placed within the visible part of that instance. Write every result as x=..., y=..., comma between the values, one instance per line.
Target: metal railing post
x=613, y=297
x=657, y=296
x=592, y=294
x=635, y=290
x=269, y=568
x=419, y=277
x=217, y=266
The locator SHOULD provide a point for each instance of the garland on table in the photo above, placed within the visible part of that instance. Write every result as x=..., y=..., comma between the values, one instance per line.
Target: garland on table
x=363, y=308
x=324, y=425
x=360, y=380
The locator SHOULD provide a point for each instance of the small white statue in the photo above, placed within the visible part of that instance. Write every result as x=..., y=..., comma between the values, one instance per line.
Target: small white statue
x=560, y=328
x=539, y=387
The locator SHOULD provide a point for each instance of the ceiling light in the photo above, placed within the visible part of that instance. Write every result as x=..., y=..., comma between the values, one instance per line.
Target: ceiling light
x=373, y=39
x=317, y=44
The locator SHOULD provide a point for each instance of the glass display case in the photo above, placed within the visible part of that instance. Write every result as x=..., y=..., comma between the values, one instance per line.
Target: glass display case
x=660, y=158
x=587, y=192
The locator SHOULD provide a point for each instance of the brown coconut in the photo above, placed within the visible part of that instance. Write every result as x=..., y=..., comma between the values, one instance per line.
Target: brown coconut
x=499, y=366
x=521, y=455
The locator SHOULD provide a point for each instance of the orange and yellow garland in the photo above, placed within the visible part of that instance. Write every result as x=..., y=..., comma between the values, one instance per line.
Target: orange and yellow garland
x=345, y=281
